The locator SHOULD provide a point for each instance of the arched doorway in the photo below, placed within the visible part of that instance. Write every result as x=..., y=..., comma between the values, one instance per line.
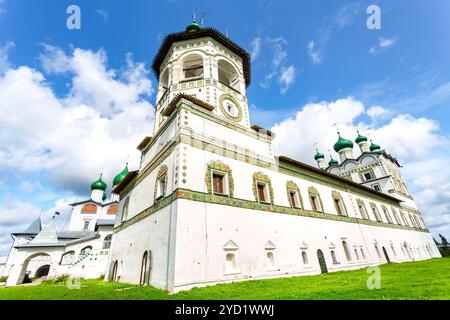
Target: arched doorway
x=42, y=271
x=386, y=255
x=322, y=262
x=25, y=276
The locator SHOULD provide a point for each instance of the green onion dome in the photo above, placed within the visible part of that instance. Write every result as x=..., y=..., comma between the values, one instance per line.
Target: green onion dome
x=118, y=179
x=333, y=162
x=193, y=26
x=99, y=184
x=360, y=138
x=374, y=147
x=319, y=156
x=342, y=144
x=104, y=196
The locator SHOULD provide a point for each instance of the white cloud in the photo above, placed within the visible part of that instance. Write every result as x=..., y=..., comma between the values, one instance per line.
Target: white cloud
x=96, y=125
x=383, y=44
x=378, y=112
x=4, y=61
x=284, y=75
x=416, y=142
x=255, y=48
x=287, y=78
x=314, y=54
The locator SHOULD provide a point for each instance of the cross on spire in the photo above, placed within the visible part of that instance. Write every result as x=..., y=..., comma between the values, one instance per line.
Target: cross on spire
x=337, y=129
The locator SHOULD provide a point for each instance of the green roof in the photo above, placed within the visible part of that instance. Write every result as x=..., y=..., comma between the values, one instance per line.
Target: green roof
x=333, y=162
x=99, y=184
x=374, y=147
x=342, y=144
x=118, y=179
x=319, y=156
x=360, y=138
x=193, y=26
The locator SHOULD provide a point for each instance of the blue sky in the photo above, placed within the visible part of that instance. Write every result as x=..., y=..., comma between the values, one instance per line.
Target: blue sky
x=314, y=63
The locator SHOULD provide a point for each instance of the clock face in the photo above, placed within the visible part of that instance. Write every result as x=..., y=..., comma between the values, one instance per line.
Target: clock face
x=230, y=108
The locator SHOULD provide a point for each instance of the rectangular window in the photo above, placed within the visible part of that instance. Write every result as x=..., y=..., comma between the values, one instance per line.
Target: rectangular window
x=368, y=176
x=262, y=192
x=218, y=183
x=161, y=187
x=293, y=197
x=376, y=187
x=340, y=209
x=315, y=202
x=86, y=225
x=363, y=211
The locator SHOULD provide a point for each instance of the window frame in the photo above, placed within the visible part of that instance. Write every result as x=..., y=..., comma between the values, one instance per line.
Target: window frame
x=225, y=187
x=265, y=186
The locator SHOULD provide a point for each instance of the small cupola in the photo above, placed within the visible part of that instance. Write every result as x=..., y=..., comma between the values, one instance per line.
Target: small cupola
x=344, y=147
x=361, y=141
x=99, y=184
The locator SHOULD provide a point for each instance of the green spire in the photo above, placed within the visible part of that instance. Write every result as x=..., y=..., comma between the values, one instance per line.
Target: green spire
x=99, y=184
x=118, y=179
x=193, y=26
x=360, y=138
x=342, y=144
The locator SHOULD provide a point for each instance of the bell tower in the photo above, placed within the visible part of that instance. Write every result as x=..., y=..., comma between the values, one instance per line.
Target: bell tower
x=205, y=64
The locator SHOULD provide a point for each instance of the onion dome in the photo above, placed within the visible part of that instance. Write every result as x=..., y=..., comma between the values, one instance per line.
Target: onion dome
x=104, y=196
x=374, y=147
x=333, y=162
x=342, y=144
x=319, y=156
x=193, y=26
x=118, y=179
x=99, y=184
x=360, y=138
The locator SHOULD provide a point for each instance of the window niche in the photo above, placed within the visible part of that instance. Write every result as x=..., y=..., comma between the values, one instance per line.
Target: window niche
x=262, y=188
x=294, y=197
x=386, y=213
x=339, y=204
x=219, y=179
x=271, y=257
x=230, y=252
x=316, y=201
x=161, y=183
x=192, y=67
x=375, y=212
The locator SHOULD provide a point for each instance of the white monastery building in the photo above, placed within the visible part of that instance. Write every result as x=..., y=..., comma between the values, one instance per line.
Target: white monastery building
x=211, y=203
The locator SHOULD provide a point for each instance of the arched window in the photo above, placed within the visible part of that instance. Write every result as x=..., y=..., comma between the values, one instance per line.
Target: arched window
x=333, y=257
x=164, y=79
x=144, y=264
x=305, y=257
x=363, y=254
x=356, y=254
x=89, y=209
x=378, y=251
x=67, y=258
x=85, y=251
x=270, y=260
x=230, y=263
x=346, y=251
x=228, y=74
x=107, y=241
x=393, y=250
x=125, y=209
x=193, y=66
x=112, y=209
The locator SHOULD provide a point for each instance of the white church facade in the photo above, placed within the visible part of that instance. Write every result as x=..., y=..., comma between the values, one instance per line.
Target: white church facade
x=211, y=203
x=80, y=250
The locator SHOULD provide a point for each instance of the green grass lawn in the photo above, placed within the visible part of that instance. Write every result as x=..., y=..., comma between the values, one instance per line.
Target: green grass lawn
x=415, y=280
